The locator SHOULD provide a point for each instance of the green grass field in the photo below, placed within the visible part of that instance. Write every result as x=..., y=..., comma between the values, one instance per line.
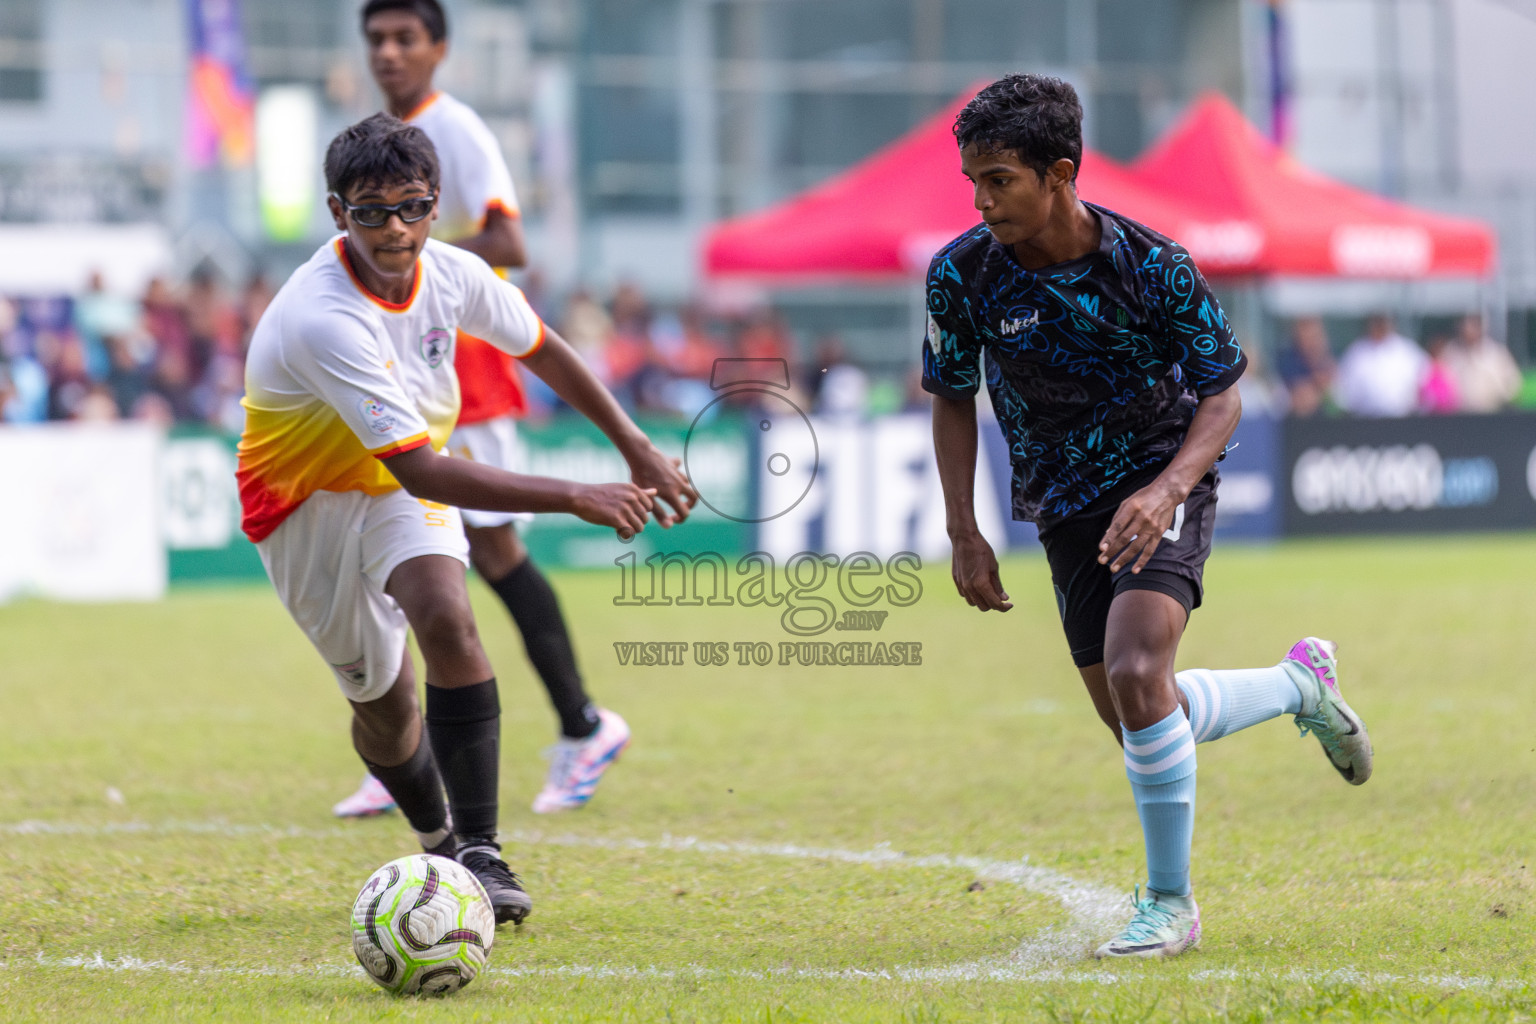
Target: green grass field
x=943, y=842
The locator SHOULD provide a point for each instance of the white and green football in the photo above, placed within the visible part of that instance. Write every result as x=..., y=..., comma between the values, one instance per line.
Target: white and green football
x=422, y=925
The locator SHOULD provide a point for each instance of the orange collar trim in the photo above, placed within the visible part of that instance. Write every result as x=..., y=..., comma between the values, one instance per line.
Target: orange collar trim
x=422, y=106
x=393, y=307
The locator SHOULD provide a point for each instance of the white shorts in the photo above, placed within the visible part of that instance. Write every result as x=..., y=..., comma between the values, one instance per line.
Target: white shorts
x=330, y=561
x=490, y=443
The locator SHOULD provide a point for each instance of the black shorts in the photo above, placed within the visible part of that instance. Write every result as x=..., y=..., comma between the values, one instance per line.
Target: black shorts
x=1084, y=588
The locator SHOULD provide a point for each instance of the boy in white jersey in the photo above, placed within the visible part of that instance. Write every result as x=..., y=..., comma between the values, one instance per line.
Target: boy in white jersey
x=478, y=211
x=350, y=390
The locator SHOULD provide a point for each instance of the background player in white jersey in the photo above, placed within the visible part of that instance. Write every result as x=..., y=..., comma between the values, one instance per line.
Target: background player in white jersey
x=350, y=389
x=478, y=211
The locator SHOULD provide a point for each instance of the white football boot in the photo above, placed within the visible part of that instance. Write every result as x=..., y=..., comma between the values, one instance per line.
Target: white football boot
x=370, y=799
x=576, y=766
x=1163, y=925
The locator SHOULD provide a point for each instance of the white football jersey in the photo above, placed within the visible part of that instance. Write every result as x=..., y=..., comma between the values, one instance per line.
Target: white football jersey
x=474, y=173
x=337, y=378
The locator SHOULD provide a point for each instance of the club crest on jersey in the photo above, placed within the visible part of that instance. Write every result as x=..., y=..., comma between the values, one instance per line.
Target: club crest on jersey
x=434, y=345
x=1018, y=325
x=375, y=415
x=933, y=334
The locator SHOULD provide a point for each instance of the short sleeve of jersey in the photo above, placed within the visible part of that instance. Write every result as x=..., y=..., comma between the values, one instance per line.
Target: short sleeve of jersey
x=336, y=357
x=496, y=311
x=951, y=350
x=478, y=169
x=1200, y=339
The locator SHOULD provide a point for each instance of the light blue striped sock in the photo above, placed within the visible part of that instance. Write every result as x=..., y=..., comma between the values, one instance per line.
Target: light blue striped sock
x=1160, y=762
x=1223, y=701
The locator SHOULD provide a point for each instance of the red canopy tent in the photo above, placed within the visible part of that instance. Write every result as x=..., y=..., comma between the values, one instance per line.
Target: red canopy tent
x=883, y=219
x=1240, y=206
x=1270, y=215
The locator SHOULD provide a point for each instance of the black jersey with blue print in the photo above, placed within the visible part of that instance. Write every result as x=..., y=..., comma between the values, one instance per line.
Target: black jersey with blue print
x=1094, y=366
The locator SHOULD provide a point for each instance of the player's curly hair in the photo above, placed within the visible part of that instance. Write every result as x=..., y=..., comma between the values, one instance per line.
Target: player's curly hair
x=429, y=11
x=380, y=150
x=1036, y=116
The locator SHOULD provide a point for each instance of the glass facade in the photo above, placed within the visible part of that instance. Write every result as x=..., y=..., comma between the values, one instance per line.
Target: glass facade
x=802, y=88
x=687, y=110
x=21, y=69
x=632, y=125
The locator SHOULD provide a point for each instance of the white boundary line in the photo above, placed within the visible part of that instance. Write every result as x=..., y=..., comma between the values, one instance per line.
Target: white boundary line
x=1343, y=976
x=1092, y=910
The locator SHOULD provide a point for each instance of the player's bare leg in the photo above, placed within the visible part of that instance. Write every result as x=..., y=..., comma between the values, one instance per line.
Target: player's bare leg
x=1140, y=642
x=1141, y=639
x=463, y=717
x=388, y=736
x=388, y=730
x=495, y=551
x=368, y=800
x=431, y=592
x=1096, y=680
x=591, y=738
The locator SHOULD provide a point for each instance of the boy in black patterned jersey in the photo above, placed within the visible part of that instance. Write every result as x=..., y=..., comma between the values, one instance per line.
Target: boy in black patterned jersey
x=1110, y=367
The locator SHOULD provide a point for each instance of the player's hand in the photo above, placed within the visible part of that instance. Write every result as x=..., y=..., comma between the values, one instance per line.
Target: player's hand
x=664, y=477
x=624, y=507
x=974, y=569
x=1137, y=529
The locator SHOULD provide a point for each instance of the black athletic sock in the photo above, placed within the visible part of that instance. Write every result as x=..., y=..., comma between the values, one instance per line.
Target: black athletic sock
x=417, y=788
x=465, y=725
x=536, y=610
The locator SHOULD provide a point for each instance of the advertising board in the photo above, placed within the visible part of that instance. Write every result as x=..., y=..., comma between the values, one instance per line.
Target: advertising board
x=573, y=449
x=83, y=520
x=1422, y=474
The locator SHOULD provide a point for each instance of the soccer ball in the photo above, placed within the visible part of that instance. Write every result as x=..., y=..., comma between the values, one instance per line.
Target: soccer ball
x=422, y=925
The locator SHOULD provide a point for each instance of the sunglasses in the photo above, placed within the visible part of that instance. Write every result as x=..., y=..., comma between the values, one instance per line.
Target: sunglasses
x=376, y=215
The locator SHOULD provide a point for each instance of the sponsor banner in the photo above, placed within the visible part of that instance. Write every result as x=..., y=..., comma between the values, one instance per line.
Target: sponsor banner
x=833, y=484
x=200, y=508
x=1248, y=499
x=201, y=505
x=115, y=511
x=82, y=522
x=1430, y=473
x=717, y=454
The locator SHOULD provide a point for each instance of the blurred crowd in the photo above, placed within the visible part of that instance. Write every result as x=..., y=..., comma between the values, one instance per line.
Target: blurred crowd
x=173, y=355
x=1383, y=373
x=663, y=361
x=176, y=355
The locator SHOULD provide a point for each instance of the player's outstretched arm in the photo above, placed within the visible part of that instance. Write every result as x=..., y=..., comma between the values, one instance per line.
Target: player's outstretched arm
x=432, y=477
x=973, y=563
x=557, y=364
x=1139, y=522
